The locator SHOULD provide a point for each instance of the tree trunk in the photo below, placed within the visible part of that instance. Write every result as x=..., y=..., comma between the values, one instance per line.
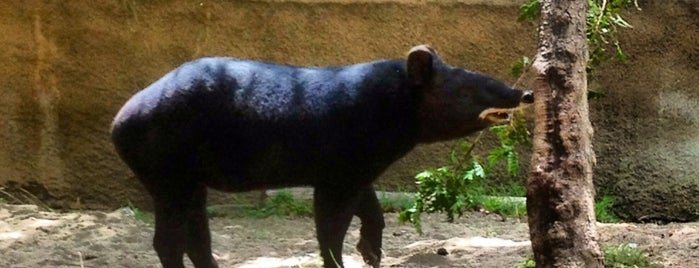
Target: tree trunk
x=560, y=192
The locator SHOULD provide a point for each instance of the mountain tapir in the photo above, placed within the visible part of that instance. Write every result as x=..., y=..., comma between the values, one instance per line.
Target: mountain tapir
x=239, y=125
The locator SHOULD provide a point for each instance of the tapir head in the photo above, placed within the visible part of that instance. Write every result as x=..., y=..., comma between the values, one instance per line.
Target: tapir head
x=455, y=102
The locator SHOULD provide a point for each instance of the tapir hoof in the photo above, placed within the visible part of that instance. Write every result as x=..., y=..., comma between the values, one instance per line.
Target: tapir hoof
x=371, y=257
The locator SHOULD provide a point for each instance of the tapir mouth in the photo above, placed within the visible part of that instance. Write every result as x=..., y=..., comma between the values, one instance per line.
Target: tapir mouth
x=497, y=116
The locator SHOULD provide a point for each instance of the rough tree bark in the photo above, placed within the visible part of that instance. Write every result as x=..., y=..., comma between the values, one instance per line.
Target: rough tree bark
x=560, y=191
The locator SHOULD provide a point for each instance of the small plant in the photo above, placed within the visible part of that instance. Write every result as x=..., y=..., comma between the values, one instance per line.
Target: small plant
x=527, y=263
x=446, y=189
x=625, y=256
x=460, y=185
x=518, y=67
x=282, y=204
x=138, y=214
x=603, y=210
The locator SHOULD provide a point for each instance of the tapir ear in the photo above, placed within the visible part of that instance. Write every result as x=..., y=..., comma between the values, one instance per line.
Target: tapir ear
x=420, y=64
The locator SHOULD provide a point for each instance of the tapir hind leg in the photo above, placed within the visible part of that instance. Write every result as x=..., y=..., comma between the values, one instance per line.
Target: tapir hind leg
x=371, y=215
x=334, y=208
x=170, y=232
x=181, y=224
x=198, y=244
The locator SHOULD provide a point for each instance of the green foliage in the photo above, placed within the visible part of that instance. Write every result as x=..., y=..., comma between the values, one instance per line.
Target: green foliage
x=510, y=136
x=281, y=204
x=603, y=21
x=446, y=189
x=529, y=10
x=458, y=186
x=136, y=212
x=519, y=66
x=603, y=210
x=625, y=256
x=527, y=263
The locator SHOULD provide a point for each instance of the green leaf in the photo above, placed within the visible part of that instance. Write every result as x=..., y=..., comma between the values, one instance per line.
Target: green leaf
x=478, y=170
x=453, y=158
x=519, y=66
x=500, y=131
x=426, y=174
x=513, y=163
x=619, y=53
x=529, y=10
x=468, y=175
x=496, y=155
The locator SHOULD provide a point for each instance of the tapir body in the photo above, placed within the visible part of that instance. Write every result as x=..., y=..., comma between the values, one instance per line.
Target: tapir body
x=239, y=125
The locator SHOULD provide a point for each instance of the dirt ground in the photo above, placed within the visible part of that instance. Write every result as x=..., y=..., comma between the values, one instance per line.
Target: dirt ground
x=30, y=237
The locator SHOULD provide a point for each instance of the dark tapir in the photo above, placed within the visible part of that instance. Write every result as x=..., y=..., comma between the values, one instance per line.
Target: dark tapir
x=239, y=125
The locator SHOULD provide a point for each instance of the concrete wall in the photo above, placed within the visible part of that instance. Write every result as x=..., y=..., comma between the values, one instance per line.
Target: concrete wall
x=70, y=65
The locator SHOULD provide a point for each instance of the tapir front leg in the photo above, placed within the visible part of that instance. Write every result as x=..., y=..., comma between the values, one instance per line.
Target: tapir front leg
x=370, y=213
x=334, y=208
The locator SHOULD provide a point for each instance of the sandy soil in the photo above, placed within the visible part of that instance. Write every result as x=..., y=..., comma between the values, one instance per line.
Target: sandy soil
x=33, y=238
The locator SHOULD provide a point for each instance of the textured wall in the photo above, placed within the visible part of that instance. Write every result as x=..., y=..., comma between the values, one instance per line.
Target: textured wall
x=646, y=128
x=70, y=65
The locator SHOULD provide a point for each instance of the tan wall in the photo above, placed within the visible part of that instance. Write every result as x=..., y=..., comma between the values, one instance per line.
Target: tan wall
x=70, y=65
x=647, y=127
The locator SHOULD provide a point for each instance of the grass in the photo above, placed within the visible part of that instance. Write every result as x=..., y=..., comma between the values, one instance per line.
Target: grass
x=505, y=206
x=20, y=195
x=281, y=204
x=139, y=214
x=603, y=210
x=508, y=189
x=625, y=256
x=396, y=202
x=506, y=199
x=621, y=256
x=503, y=200
x=497, y=199
x=278, y=205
